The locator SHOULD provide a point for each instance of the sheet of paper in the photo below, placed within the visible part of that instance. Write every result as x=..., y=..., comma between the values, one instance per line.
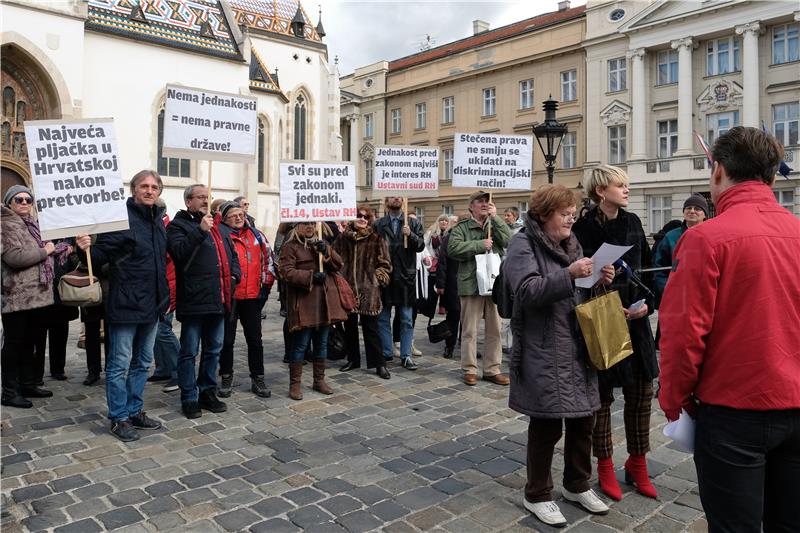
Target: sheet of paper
x=606, y=255
x=681, y=431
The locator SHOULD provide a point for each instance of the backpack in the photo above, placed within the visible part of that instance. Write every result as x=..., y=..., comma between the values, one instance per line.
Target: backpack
x=502, y=294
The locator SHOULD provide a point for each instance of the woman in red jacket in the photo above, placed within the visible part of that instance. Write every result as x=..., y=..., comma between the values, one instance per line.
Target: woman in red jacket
x=255, y=260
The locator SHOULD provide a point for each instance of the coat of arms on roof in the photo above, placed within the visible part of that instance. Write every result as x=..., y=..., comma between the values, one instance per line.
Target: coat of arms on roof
x=720, y=95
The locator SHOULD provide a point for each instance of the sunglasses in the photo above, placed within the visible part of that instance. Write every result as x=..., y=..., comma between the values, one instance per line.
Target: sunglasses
x=23, y=200
x=362, y=215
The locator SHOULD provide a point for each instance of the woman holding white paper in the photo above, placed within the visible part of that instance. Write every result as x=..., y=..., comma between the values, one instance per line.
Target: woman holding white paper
x=609, y=222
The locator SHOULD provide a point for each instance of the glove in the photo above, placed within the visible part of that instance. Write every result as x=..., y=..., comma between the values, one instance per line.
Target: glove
x=322, y=247
x=319, y=278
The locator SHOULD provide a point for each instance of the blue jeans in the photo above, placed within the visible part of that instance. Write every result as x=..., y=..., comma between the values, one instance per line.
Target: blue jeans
x=130, y=352
x=166, y=349
x=211, y=330
x=301, y=338
x=406, y=330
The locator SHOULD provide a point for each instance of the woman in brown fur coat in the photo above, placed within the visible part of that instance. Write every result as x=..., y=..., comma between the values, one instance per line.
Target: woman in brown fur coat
x=367, y=267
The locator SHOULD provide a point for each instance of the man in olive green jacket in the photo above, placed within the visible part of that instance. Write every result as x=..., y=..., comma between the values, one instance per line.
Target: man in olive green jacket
x=468, y=239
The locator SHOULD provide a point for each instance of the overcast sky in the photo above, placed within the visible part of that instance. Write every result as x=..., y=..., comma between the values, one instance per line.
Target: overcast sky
x=365, y=31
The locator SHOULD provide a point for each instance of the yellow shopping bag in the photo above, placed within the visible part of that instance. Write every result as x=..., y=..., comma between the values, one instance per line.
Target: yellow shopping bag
x=605, y=330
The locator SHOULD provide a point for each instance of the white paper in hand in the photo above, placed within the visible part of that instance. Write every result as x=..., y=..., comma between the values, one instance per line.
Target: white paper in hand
x=605, y=255
x=681, y=432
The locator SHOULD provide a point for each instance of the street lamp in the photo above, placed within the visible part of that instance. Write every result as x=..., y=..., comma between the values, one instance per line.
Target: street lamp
x=552, y=132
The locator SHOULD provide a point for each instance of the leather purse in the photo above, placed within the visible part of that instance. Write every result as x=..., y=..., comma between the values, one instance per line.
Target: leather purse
x=346, y=296
x=438, y=332
x=74, y=289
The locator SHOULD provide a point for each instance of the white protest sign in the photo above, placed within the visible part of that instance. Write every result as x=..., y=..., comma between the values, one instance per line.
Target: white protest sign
x=200, y=124
x=76, y=178
x=490, y=161
x=317, y=190
x=406, y=171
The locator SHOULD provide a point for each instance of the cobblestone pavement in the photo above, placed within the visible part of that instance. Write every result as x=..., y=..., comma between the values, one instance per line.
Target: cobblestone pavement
x=421, y=451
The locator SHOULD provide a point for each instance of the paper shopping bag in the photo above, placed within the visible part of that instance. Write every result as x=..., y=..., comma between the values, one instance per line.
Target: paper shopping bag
x=605, y=330
x=488, y=268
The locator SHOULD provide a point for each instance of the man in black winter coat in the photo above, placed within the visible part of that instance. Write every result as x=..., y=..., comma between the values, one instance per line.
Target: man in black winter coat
x=206, y=270
x=138, y=295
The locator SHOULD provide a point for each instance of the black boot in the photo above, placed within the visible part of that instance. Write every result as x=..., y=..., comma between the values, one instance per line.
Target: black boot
x=12, y=398
x=208, y=401
x=35, y=392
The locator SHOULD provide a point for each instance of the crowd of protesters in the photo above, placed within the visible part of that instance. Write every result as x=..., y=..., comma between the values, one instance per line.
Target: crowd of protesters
x=211, y=269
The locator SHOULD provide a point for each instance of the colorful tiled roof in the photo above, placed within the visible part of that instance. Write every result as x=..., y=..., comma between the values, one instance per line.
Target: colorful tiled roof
x=261, y=79
x=272, y=15
x=498, y=34
x=195, y=25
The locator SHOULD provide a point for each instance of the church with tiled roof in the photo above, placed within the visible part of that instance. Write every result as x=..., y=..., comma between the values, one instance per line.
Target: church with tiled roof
x=114, y=58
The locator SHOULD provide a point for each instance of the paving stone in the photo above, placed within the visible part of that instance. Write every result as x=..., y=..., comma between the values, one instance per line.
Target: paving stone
x=447, y=449
x=614, y=520
x=141, y=465
x=231, y=471
x=589, y=527
x=164, y=488
x=455, y=464
x=195, y=496
x=160, y=505
x=166, y=521
x=340, y=505
x=681, y=513
x=398, y=466
x=451, y=486
x=69, y=483
x=259, y=463
x=636, y=506
x=481, y=454
x=308, y=516
x=421, y=457
x=120, y=517
x=261, y=477
x=15, y=458
x=359, y=521
x=433, y=472
x=661, y=524
x=87, y=508
x=236, y=520
x=269, y=507
x=304, y=496
x=690, y=499
x=31, y=492
x=498, y=467
x=40, y=522
x=128, y=497
x=420, y=498
x=388, y=511
x=276, y=525
x=370, y=494
x=86, y=525
x=56, y=501
x=200, y=479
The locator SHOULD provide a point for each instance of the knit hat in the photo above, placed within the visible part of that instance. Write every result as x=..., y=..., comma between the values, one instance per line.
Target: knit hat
x=227, y=206
x=13, y=191
x=697, y=200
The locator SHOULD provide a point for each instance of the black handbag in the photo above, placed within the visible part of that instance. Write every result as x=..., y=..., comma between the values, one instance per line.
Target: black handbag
x=438, y=332
x=336, y=345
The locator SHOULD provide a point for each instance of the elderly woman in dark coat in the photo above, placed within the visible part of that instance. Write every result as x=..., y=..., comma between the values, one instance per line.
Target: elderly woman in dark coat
x=367, y=268
x=28, y=274
x=312, y=302
x=609, y=222
x=551, y=378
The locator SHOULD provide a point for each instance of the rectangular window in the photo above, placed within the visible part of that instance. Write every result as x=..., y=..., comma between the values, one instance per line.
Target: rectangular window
x=569, y=86
x=617, y=74
x=785, y=198
x=523, y=208
x=396, y=120
x=447, y=163
x=617, y=135
x=723, y=56
x=667, y=138
x=369, y=168
x=422, y=110
x=785, y=45
x=489, y=102
x=569, y=150
x=447, y=209
x=660, y=212
x=369, y=125
x=170, y=166
x=420, y=211
x=667, y=67
x=448, y=110
x=719, y=123
x=526, y=94
x=785, y=123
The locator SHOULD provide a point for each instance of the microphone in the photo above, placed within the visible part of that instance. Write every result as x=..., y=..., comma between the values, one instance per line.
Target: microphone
x=631, y=276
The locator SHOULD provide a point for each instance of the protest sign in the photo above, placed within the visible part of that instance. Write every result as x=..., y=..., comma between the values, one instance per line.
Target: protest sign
x=316, y=190
x=200, y=124
x=76, y=177
x=489, y=161
x=406, y=171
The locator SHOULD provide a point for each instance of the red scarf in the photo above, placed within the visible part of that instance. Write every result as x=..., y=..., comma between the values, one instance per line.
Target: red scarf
x=224, y=265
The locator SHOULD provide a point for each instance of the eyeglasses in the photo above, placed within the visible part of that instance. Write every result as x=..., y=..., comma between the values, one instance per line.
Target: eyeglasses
x=23, y=200
x=568, y=217
x=363, y=215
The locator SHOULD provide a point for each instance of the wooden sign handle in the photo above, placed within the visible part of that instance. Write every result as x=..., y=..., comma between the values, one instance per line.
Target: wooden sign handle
x=405, y=221
x=319, y=236
x=490, y=218
x=89, y=264
x=209, y=186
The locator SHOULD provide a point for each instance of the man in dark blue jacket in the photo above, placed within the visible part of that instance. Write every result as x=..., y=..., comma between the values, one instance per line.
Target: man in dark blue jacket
x=206, y=269
x=138, y=294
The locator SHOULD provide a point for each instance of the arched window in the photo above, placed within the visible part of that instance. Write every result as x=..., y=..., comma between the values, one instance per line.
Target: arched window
x=300, y=128
x=8, y=101
x=170, y=166
x=262, y=156
x=22, y=112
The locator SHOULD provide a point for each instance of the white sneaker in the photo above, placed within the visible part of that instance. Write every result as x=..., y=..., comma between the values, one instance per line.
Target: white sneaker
x=397, y=349
x=547, y=512
x=588, y=500
x=414, y=350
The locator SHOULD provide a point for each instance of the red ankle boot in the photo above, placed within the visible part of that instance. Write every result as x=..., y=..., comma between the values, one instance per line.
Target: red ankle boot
x=607, y=478
x=636, y=474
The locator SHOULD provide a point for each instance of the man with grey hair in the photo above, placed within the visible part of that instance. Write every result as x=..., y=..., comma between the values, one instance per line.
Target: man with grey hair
x=138, y=296
x=206, y=269
x=244, y=203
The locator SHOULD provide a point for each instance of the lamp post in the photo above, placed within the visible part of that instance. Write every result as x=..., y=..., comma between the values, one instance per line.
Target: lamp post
x=552, y=132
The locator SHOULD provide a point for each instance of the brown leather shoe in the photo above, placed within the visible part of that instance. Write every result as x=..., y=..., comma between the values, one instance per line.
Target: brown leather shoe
x=497, y=379
x=470, y=379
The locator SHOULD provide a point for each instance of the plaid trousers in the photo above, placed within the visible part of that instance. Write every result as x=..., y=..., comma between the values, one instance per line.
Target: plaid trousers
x=638, y=399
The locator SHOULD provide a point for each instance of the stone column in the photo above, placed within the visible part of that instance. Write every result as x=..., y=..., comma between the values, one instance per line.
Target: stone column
x=355, y=144
x=685, y=104
x=750, y=75
x=638, y=134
